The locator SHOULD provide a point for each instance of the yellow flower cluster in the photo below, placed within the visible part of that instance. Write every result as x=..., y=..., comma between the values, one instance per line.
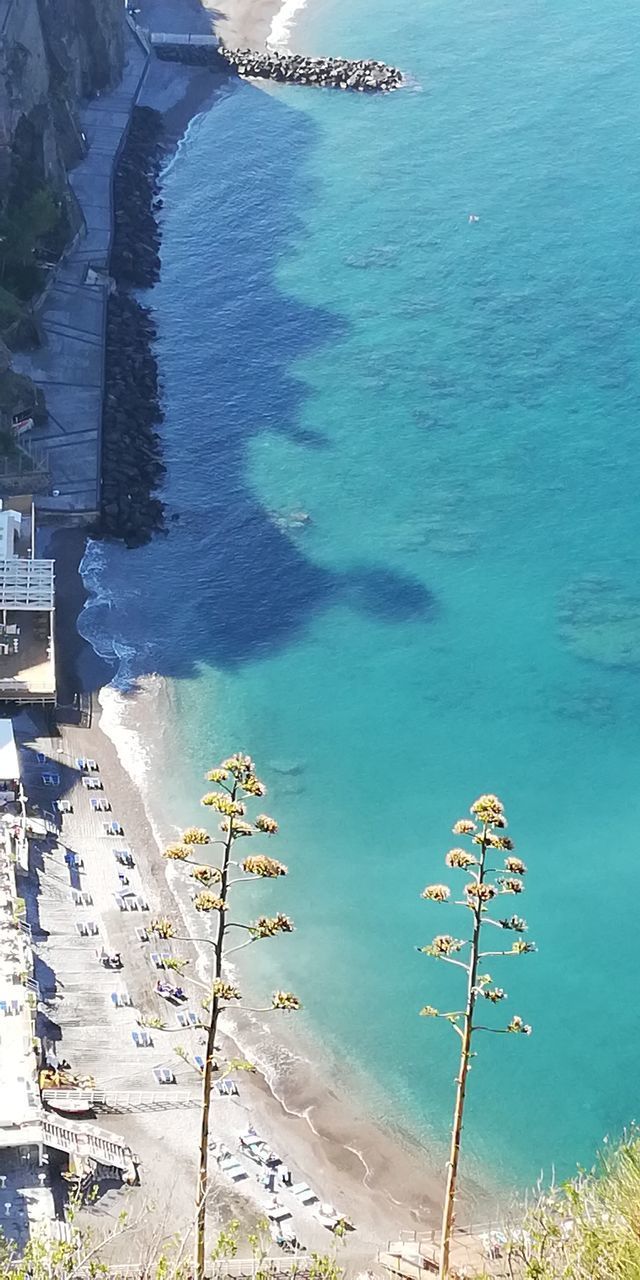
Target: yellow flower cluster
x=196, y=835
x=261, y=865
x=510, y=885
x=209, y=902
x=480, y=892
x=178, y=852
x=443, y=945
x=207, y=875
x=489, y=810
x=515, y=864
x=463, y=827
x=286, y=1001
x=223, y=803
x=270, y=926
x=162, y=927
x=239, y=828
x=436, y=892
x=225, y=991
x=265, y=824
x=518, y=1026
x=460, y=858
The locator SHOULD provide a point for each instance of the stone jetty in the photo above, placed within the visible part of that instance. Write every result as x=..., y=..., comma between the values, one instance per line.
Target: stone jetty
x=364, y=75
x=132, y=466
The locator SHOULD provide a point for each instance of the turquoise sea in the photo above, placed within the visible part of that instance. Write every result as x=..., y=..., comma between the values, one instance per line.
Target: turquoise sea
x=456, y=405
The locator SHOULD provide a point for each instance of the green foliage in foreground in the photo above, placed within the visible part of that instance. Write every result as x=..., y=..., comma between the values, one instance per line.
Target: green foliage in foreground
x=589, y=1228
x=88, y=1255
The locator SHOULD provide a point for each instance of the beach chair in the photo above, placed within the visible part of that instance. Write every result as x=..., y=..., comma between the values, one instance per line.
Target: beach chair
x=50, y=779
x=142, y=935
x=199, y=1062
x=232, y=1168
x=41, y=757
x=304, y=1194
x=121, y=902
x=164, y=1075
x=141, y=903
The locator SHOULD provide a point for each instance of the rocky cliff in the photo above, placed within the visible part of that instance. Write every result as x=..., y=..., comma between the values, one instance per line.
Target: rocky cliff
x=52, y=53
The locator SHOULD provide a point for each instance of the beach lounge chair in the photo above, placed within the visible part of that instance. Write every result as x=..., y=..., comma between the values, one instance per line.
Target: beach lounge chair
x=41, y=757
x=227, y=1088
x=50, y=779
x=121, y=902
x=232, y=1168
x=141, y=903
x=92, y=784
x=279, y=1214
x=64, y=806
x=141, y=1039
x=199, y=1062
x=303, y=1193
x=164, y=1075
x=141, y=934
x=113, y=828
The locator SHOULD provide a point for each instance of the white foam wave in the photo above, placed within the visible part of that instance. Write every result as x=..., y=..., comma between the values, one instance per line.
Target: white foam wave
x=282, y=24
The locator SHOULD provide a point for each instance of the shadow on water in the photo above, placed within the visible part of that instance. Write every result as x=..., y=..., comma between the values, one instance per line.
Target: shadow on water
x=229, y=584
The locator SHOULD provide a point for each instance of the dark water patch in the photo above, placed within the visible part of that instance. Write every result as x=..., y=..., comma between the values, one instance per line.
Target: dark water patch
x=228, y=585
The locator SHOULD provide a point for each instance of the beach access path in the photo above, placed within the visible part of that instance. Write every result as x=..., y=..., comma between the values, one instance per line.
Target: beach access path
x=69, y=366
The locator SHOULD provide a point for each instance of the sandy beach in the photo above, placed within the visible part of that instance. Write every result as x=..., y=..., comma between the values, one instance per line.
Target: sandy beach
x=384, y=1183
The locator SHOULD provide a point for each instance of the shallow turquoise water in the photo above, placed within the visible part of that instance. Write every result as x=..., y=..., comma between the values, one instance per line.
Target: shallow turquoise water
x=456, y=406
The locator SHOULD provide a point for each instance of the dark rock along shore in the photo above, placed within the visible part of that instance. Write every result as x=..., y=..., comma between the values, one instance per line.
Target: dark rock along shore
x=132, y=466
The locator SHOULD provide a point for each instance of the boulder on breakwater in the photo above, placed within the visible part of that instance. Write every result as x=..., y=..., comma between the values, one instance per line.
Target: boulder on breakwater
x=132, y=465
x=362, y=74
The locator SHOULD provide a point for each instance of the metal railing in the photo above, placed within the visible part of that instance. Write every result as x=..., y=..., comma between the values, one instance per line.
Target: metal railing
x=119, y=1100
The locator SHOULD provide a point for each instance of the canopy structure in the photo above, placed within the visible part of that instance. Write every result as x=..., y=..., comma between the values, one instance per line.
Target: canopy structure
x=9, y=763
x=26, y=584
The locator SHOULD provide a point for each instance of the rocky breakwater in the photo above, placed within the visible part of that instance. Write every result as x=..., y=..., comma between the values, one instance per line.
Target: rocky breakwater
x=132, y=467
x=364, y=75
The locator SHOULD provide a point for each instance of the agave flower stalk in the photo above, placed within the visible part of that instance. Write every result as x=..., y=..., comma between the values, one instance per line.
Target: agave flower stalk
x=484, y=829
x=237, y=784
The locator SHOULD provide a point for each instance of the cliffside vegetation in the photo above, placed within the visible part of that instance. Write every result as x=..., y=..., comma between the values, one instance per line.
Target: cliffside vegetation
x=589, y=1228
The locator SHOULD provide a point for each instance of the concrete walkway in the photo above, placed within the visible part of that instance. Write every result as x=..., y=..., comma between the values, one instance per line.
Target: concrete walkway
x=70, y=365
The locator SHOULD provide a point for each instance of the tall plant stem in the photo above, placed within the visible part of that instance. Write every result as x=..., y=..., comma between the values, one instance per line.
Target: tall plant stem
x=448, y=1210
x=207, y=1081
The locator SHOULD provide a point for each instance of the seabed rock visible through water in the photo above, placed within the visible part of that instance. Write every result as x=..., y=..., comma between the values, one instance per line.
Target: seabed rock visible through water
x=599, y=621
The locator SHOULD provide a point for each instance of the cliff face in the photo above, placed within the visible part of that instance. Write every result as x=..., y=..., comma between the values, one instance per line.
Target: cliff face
x=52, y=53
